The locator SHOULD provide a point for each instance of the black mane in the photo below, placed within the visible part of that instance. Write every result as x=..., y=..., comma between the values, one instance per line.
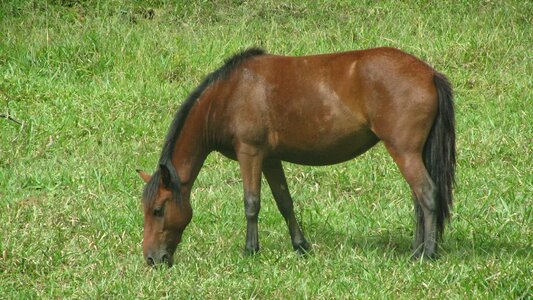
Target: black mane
x=181, y=115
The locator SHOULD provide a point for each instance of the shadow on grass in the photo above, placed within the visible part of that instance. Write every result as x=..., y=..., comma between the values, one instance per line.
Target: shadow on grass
x=467, y=248
x=397, y=242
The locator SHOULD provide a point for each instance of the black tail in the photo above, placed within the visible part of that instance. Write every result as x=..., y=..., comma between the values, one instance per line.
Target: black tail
x=439, y=151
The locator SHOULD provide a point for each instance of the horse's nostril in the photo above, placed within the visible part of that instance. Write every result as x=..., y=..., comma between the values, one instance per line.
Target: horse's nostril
x=165, y=259
x=150, y=261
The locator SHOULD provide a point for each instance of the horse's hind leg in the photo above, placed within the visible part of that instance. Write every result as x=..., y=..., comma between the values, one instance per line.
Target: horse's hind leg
x=418, y=243
x=413, y=170
x=403, y=122
x=275, y=176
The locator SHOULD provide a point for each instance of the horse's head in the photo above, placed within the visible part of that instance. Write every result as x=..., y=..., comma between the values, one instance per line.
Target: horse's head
x=165, y=217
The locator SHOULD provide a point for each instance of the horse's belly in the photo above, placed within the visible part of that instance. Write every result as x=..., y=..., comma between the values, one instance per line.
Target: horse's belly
x=325, y=150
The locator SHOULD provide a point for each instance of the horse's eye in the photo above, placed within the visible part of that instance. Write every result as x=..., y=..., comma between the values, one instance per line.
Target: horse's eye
x=159, y=212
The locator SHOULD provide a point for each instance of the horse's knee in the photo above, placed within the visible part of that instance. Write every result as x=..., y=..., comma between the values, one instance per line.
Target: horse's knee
x=251, y=205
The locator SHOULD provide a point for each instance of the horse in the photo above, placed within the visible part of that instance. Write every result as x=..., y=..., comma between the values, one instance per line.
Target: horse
x=261, y=109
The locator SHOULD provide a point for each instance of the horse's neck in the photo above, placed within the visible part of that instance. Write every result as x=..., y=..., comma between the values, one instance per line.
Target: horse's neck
x=190, y=150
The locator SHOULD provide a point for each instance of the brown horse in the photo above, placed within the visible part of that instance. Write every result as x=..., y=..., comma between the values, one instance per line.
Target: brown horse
x=261, y=109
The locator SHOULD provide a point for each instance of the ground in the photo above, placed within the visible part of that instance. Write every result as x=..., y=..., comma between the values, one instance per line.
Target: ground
x=95, y=84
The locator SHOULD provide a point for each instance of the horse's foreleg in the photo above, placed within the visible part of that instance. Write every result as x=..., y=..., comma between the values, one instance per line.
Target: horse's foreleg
x=275, y=176
x=250, y=162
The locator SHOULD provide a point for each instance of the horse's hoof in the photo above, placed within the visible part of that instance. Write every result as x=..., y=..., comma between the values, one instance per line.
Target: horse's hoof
x=421, y=255
x=250, y=251
x=302, y=248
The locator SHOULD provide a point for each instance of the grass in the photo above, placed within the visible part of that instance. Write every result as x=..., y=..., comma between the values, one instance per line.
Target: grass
x=95, y=85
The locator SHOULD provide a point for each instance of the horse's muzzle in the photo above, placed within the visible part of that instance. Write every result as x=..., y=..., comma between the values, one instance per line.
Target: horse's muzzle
x=159, y=258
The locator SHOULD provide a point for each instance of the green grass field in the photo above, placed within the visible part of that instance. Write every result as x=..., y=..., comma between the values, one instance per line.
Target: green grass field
x=95, y=85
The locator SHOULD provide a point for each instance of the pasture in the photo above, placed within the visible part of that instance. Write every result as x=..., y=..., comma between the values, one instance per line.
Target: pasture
x=89, y=88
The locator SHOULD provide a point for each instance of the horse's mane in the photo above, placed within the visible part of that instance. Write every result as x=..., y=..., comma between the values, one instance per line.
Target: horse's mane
x=181, y=115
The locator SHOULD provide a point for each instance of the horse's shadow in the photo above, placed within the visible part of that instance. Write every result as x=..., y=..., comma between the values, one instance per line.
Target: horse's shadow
x=398, y=242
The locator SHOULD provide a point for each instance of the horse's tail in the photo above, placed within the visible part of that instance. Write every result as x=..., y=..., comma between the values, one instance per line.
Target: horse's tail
x=439, y=151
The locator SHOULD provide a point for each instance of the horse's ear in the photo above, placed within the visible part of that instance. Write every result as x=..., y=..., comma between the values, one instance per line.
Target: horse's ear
x=165, y=176
x=145, y=176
